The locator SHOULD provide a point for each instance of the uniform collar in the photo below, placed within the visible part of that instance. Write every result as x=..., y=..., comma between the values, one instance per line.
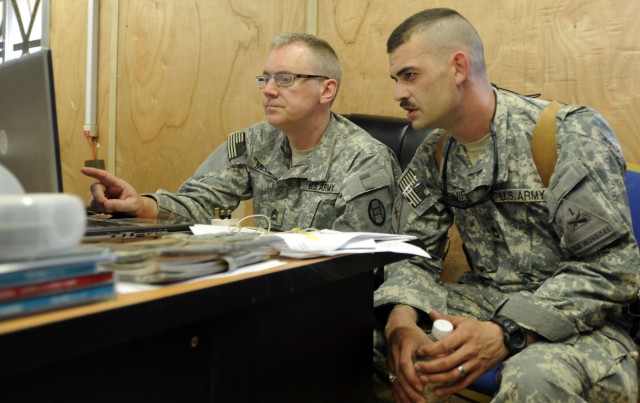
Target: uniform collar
x=315, y=167
x=481, y=173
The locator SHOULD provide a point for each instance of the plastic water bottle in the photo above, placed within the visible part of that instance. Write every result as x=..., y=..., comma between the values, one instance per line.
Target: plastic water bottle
x=441, y=329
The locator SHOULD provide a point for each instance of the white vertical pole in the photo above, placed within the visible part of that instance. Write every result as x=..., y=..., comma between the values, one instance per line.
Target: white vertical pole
x=46, y=22
x=113, y=86
x=90, y=128
x=8, y=21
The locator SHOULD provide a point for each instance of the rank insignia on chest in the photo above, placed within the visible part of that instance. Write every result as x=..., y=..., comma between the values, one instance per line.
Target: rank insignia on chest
x=496, y=232
x=236, y=145
x=274, y=215
x=261, y=167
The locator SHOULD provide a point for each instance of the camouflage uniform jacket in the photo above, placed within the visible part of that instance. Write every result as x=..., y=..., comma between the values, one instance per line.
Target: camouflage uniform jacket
x=559, y=260
x=346, y=183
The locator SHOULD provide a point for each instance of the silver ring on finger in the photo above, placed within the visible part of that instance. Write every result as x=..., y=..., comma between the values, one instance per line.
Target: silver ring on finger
x=392, y=377
x=461, y=370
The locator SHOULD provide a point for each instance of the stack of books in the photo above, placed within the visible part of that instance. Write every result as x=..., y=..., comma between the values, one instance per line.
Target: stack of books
x=56, y=281
x=181, y=257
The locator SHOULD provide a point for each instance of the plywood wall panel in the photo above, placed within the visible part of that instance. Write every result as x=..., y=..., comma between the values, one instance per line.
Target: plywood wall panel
x=68, y=26
x=186, y=80
x=68, y=41
x=573, y=51
x=186, y=68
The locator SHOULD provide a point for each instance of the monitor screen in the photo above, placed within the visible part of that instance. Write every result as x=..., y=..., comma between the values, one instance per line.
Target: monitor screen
x=29, y=146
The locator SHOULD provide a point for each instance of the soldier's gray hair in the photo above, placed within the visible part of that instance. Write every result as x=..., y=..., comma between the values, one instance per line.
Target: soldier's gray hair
x=448, y=31
x=325, y=60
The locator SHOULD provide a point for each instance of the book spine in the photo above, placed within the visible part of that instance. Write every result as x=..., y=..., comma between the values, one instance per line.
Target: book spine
x=43, y=274
x=56, y=301
x=52, y=287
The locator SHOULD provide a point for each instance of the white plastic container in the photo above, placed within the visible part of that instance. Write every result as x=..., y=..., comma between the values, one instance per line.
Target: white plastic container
x=9, y=184
x=441, y=329
x=35, y=224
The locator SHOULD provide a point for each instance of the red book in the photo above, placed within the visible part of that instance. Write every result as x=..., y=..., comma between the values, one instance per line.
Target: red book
x=56, y=286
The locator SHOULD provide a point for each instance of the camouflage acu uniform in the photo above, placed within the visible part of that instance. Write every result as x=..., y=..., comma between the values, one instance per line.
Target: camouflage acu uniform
x=346, y=183
x=561, y=261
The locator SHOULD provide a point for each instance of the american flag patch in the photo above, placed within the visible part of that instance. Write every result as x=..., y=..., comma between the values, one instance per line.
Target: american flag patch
x=236, y=145
x=411, y=189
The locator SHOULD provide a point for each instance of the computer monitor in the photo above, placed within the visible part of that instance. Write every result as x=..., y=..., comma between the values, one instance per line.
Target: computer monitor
x=29, y=145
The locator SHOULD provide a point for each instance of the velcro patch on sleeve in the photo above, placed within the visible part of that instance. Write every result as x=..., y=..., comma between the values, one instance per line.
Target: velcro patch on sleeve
x=366, y=182
x=236, y=145
x=374, y=180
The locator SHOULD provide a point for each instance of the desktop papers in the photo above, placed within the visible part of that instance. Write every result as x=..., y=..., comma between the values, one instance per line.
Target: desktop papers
x=297, y=245
x=307, y=244
x=330, y=243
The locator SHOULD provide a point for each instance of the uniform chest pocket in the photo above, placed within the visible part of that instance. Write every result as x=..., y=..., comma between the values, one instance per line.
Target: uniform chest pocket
x=317, y=209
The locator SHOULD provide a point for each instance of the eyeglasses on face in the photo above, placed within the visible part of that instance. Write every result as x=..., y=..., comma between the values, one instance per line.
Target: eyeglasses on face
x=283, y=79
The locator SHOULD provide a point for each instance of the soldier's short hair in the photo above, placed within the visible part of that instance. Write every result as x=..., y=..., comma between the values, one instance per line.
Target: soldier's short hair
x=448, y=30
x=325, y=60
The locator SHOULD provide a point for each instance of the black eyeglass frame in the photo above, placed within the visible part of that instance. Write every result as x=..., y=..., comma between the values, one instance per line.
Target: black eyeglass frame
x=263, y=80
x=450, y=200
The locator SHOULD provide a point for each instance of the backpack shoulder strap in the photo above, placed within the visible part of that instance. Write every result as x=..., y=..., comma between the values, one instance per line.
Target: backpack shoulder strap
x=543, y=141
x=439, y=148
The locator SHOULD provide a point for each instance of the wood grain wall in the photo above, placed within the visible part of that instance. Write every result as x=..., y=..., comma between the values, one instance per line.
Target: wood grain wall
x=176, y=76
x=573, y=51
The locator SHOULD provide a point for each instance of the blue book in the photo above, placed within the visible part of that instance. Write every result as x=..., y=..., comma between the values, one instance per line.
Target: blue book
x=78, y=262
x=41, y=274
x=56, y=301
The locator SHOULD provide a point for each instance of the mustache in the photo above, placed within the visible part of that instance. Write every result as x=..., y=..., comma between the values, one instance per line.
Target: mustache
x=405, y=103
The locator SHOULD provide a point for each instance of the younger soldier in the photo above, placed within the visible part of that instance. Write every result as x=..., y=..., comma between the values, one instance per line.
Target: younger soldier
x=554, y=268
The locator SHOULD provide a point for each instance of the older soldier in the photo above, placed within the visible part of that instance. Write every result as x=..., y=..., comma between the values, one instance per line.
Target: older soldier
x=304, y=167
x=553, y=274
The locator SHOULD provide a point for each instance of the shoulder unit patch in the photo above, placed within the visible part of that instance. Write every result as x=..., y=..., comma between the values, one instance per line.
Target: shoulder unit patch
x=377, y=213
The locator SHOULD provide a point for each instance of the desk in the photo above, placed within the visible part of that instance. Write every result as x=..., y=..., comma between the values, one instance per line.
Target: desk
x=296, y=333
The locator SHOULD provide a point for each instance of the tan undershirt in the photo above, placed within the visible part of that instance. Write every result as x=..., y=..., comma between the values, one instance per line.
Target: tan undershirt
x=474, y=149
x=299, y=155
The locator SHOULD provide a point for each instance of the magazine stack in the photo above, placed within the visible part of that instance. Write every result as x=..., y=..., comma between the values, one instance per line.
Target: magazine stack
x=56, y=281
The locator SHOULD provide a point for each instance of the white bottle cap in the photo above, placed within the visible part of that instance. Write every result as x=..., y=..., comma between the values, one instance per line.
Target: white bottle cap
x=441, y=329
